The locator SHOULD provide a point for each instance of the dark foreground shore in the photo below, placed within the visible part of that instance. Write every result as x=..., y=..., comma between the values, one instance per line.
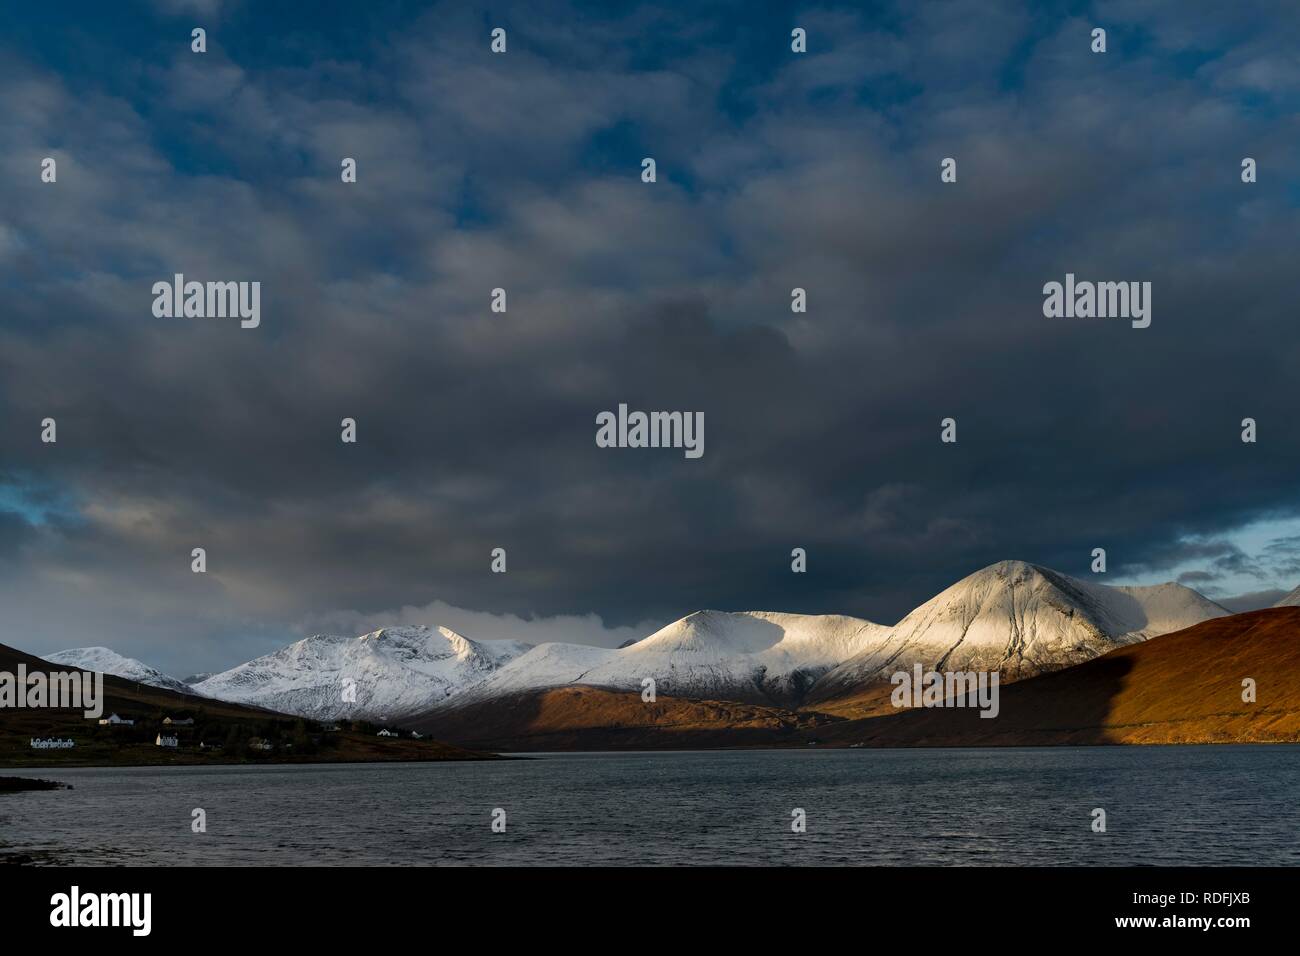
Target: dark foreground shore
x=20, y=784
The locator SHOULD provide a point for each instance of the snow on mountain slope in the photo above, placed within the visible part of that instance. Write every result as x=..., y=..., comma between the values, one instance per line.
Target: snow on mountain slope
x=107, y=661
x=746, y=656
x=1291, y=600
x=1012, y=617
x=1021, y=619
x=395, y=671
x=1160, y=608
x=552, y=664
x=753, y=655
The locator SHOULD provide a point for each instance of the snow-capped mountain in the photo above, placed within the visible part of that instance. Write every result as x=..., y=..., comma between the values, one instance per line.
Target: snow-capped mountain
x=746, y=656
x=754, y=655
x=390, y=672
x=1021, y=620
x=1291, y=600
x=1013, y=617
x=553, y=664
x=106, y=661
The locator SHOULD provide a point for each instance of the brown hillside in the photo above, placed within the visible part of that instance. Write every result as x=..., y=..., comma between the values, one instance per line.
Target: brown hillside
x=591, y=718
x=870, y=701
x=1184, y=687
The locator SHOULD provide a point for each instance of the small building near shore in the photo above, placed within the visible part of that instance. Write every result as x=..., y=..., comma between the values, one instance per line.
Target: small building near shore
x=113, y=720
x=172, y=741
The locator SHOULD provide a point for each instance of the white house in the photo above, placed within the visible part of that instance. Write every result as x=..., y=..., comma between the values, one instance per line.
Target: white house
x=173, y=722
x=167, y=741
x=416, y=735
x=114, y=719
x=386, y=733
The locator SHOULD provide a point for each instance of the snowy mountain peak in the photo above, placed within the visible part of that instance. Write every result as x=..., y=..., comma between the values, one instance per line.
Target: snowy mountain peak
x=107, y=661
x=1022, y=619
x=462, y=646
x=1013, y=616
x=823, y=636
x=746, y=655
x=387, y=672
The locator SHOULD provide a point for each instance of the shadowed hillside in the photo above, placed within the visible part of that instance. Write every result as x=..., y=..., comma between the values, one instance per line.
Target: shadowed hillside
x=593, y=718
x=1184, y=687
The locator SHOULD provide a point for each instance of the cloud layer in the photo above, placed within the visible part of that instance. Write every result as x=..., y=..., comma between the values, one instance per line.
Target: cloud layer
x=522, y=171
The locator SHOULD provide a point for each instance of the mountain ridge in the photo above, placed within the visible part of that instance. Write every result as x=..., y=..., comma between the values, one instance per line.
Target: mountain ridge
x=1012, y=616
x=382, y=674
x=1290, y=600
x=1021, y=619
x=1186, y=687
x=108, y=661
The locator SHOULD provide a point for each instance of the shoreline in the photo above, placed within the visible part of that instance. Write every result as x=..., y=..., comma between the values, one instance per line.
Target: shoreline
x=30, y=784
x=315, y=759
x=513, y=755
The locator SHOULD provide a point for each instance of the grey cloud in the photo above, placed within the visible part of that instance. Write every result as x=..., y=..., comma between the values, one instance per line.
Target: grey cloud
x=477, y=429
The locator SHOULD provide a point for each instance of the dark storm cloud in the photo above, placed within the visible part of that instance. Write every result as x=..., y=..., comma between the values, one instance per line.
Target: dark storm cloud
x=477, y=430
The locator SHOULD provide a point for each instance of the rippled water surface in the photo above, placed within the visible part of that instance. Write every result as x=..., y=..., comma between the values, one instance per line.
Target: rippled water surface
x=1164, y=805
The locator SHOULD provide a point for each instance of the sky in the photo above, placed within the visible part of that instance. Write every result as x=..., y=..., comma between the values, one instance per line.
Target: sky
x=476, y=430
